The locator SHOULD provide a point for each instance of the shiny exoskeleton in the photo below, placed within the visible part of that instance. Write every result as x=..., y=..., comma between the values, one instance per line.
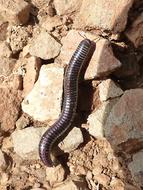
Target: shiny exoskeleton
x=81, y=57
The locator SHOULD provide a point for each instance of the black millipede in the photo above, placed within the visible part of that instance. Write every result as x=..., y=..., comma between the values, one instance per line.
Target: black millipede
x=78, y=62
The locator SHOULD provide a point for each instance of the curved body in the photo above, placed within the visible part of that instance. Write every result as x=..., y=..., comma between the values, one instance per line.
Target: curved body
x=81, y=56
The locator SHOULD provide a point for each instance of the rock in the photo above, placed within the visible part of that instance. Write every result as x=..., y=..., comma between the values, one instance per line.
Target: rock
x=135, y=32
x=55, y=174
x=99, y=64
x=10, y=102
x=66, y=7
x=124, y=123
x=102, y=179
x=44, y=101
x=51, y=22
x=18, y=37
x=16, y=11
x=117, y=184
x=22, y=122
x=136, y=167
x=72, y=140
x=97, y=119
x=3, y=30
x=5, y=50
x=32, y=67
x=3, y=164
x=108, y=90
x=44, y=46
x=108, y=15
x=72, y=185
x=7, y=66
x=26, y=142
x=4, y=179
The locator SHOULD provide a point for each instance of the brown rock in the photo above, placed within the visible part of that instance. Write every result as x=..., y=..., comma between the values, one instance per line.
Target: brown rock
x=108, y=90
x=3, y=30
x=7, y=66
x=32, y=66
x=102, y=179
x=109, y=15
x=5, y=50
x=135, y=32
x=55, y=174
x=117, y=184
x=9, y=108
x=44, y=101
x=22, y=122
x=16, y=11
x=44, y=46
x=66, y=7
x=125, y=120
x=18, y=37
x=3, y=163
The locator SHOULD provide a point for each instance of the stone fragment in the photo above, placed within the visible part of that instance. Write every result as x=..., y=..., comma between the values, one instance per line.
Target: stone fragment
x=3, y=163
x=32, y=66
x=6, y=66
x=44, y=101
x=5, y=50
x=22, y=122
x=103, y=61
x=72, y=140
x=16, y=11
x=136, y=167
x=18, y=37
x=66, y=7
x=3, y=30
x=109, y=15
x=72, y=185
x=44, y=46
x=97, y=119
x=51, y=22
x=124, y=123
x=26, y=142
x=99, y=64
x=102, y=179
x=135, y=32
x=55, y=174
x=10, y=102
x=108, y=90
x=117, y=184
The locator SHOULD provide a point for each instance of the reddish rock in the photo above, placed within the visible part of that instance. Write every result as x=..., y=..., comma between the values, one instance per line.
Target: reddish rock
x=9, y=108
x=125, y=120
x=7, y=66
x=5, y=50
x=109, y=15
x=3, y=30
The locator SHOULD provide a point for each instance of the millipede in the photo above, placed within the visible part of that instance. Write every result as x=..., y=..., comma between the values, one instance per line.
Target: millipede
x=78, y=62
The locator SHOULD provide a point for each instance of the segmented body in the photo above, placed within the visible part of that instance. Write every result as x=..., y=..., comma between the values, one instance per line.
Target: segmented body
x=81, y=57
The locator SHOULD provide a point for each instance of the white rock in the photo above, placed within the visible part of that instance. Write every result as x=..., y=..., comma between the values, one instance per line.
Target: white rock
x=108, y=89
x=55, y=174
x=97, y=119
x=44, y=101
x=26, y=142
x=44, y=46
x=72, y=140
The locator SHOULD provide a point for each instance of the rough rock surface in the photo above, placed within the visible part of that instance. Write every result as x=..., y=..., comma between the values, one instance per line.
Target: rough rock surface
x=135, y=33
x=7, y=66
x=66, y=7
x=5, y=50
x=136, y=167
x=125, y=120
x=16, y=11
x=3, y=30
x=69, y=143
x=26, y=141
x=10, y=101
x=3, y=163
x=97, y=119
x=108, y=90
x=99, y=65
x=101, y=17
x=44, y=46
x=37, y=103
